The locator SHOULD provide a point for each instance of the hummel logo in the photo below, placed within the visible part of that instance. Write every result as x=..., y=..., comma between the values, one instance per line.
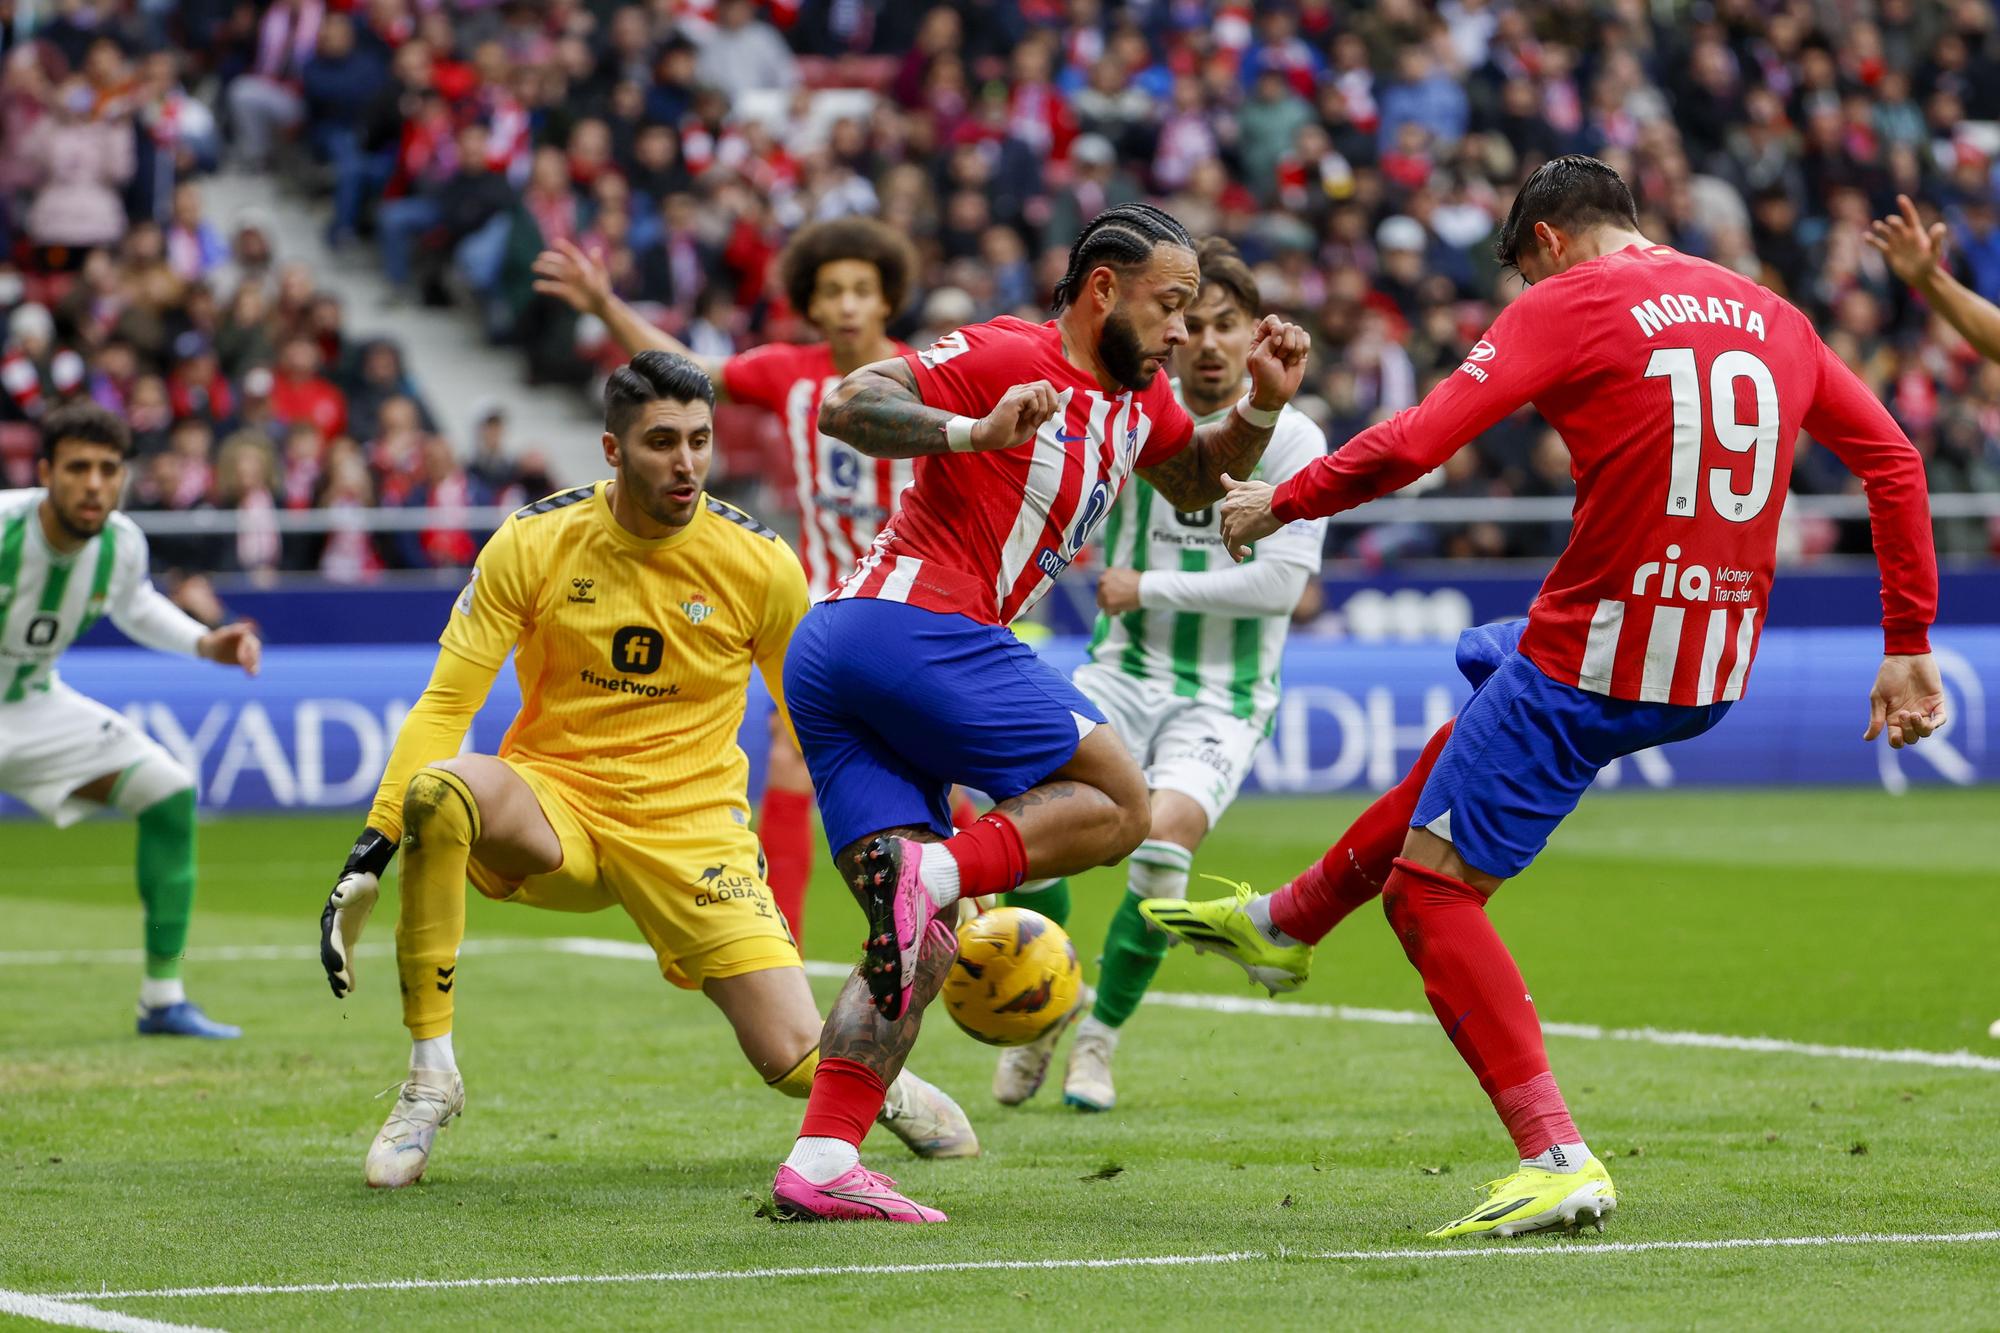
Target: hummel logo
x=445, y=979
x=580, y=590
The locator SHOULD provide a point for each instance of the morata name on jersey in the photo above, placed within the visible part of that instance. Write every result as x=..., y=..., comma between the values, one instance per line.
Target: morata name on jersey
x=1668, y=309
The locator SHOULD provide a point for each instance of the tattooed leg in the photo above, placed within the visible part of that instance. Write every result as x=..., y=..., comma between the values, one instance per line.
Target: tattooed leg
x=854, y=1030
x=1092, y=811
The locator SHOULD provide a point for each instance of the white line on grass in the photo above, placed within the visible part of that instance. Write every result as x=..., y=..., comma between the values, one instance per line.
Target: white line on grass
x=66, y=1312
x=1518, y=1250
x=1215, y=1004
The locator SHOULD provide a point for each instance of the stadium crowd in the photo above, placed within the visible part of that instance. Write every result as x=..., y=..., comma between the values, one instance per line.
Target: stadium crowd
x=1360, y=155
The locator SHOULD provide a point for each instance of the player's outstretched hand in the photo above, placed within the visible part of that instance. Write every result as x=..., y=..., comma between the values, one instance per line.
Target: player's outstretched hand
x=1017, y=416
x=570, y=275
x=1246, y=515
x=233, y=645
x=347, y=908
x=1278, y=354
x=1912, y=251
x=1907, y=701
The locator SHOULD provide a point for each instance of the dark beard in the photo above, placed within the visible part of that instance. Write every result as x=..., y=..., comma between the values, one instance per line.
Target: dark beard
x=1124, y=360
x=75, y=530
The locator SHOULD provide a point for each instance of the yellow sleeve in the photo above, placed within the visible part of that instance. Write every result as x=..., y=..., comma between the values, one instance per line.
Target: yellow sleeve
x=432, y=730
x=785, y=604
x=498, y=603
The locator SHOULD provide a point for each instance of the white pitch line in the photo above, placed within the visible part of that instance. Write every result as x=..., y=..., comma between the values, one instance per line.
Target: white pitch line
x=67, y=1312
x=1517, y=1250
x=588, y=947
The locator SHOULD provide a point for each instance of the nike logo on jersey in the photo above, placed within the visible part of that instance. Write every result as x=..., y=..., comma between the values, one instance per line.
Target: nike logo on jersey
x=1069, y=439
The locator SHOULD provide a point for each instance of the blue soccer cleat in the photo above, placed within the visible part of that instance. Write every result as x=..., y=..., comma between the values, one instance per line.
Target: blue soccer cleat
x=183, y=1018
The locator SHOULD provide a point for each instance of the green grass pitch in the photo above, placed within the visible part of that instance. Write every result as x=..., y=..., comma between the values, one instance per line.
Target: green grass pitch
x=613, y=1130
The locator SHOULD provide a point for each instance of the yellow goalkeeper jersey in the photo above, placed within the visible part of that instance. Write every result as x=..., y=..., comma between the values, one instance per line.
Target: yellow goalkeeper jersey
x=632, y=655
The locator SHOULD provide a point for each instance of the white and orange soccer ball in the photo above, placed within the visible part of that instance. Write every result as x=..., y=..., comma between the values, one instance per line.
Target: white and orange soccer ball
x=1015, y=977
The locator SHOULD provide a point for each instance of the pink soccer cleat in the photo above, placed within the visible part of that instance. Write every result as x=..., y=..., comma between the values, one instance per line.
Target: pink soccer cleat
x=859, y=1195
x=899, y=907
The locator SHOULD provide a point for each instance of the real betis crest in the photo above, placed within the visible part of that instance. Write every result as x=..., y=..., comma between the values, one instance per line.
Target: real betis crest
x=697, y=608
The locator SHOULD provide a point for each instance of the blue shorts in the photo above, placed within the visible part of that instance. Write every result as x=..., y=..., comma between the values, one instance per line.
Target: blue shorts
x=893, y=704
x=1525, y=747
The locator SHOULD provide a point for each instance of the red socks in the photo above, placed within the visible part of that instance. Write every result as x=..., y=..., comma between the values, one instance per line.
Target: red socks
x=989, y=855
x=1536, y=1116
x=845, y=1098
x=784, y=824
x=1354, y=869
x=1478, y=995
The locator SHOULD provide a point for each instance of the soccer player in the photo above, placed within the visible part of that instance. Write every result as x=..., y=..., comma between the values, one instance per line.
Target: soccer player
x=907, y=679
x=1184, y=661
x=1679, y=387
x=848, y=278
x=68, y=558
x=635, y=608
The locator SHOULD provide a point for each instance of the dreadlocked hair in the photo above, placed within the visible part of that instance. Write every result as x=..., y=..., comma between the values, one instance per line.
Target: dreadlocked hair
x=1120, y=238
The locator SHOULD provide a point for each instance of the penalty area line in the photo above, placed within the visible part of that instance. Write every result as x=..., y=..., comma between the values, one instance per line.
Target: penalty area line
x=1518, y=1250
x=70, y=1312
x=1257, y=1006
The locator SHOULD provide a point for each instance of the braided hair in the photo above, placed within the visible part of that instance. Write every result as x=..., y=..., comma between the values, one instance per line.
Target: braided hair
x=1120, y=238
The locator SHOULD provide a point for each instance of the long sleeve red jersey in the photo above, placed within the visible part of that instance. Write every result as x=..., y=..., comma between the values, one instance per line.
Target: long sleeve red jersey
x=1679, y=387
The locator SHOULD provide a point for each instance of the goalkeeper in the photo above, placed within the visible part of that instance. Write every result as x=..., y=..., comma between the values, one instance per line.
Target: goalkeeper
x=635, y=609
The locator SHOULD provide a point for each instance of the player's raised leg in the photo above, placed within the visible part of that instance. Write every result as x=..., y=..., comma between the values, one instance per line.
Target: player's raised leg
x=1271, y=936
x=449, y=810
x=1090, y=812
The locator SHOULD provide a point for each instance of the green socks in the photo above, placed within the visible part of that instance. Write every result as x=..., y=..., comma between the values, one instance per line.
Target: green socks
x=1133, y=950
x=166, y=880
x=1050, y=897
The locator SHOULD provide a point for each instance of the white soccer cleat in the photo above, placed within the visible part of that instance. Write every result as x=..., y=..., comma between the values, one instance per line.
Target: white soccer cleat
x=926, y=1119
x=427, y=1101
x=1087, y=1084
x=1021, y=1070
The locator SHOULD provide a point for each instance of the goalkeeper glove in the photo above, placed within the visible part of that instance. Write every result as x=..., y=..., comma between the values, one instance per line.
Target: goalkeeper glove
x=348, y=906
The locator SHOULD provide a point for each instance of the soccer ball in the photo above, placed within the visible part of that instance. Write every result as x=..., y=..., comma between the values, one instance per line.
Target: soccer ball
x=1015, y=977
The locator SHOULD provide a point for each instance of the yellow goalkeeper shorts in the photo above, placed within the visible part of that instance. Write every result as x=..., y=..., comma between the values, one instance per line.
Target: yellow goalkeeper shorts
x=696, y=889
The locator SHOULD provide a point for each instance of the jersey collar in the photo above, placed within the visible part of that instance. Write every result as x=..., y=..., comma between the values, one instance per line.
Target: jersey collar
x=600, y=505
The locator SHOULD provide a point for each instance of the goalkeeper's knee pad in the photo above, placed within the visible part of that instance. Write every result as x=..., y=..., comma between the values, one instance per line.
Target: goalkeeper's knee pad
x=438, y=807
x=798, y=1080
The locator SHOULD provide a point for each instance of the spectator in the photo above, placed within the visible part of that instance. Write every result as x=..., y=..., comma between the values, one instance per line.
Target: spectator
x=266, y=102
x=301, y=395
x=743, y=54
x=78, y=160
x=445, y=485
x=243, y=477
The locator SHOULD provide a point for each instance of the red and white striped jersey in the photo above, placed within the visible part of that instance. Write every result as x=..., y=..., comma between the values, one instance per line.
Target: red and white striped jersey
x=1679, y=387
x=984, y=534
x=844, y=496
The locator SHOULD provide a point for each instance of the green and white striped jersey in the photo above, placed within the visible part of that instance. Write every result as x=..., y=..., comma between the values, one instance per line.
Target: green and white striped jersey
x=1207, y=628
x=47, y=600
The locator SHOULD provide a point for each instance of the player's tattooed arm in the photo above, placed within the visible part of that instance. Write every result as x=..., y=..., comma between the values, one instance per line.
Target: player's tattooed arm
x=880, y=412
x=1192, y=478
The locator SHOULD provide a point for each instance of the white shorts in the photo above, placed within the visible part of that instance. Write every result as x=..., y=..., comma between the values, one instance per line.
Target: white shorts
x=1201, y=751
x=56, y=741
